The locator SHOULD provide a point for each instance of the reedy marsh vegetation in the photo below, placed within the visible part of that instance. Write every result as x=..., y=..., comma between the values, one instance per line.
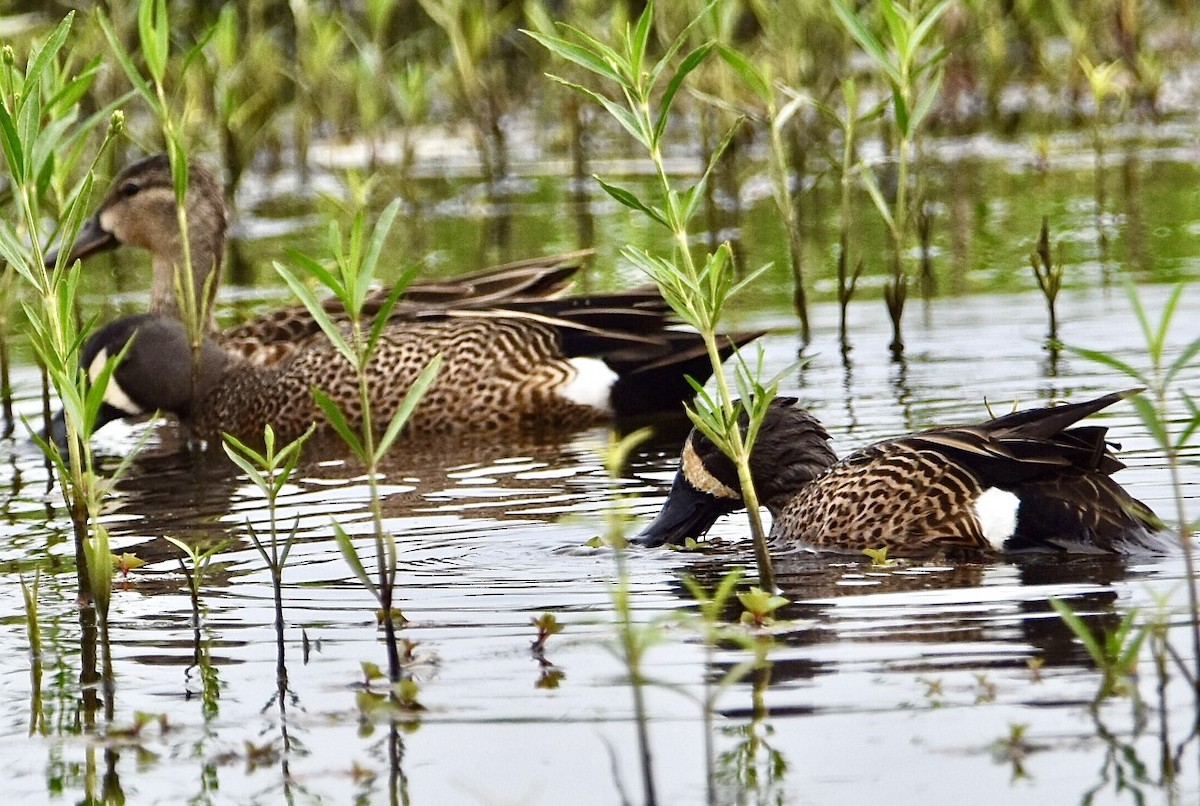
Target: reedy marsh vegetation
x=330, y=89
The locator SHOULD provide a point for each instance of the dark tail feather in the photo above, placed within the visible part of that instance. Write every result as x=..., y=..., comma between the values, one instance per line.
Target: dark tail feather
x=1051, y=420
x=660, y=383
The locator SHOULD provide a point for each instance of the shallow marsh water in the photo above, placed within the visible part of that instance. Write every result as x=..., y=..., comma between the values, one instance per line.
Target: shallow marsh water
x=901, y=683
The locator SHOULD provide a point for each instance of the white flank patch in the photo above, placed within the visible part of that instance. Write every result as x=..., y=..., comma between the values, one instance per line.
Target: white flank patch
x=114, y=395
x=996, y=510
x=590, y=385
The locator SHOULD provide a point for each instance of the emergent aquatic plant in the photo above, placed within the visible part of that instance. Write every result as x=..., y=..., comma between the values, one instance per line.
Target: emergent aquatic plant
x=355, y=262
x=270, y=471
x=914, y=78
x=1115, y=652
x=696, y=290
x=1153, y=408
x=1049, y=274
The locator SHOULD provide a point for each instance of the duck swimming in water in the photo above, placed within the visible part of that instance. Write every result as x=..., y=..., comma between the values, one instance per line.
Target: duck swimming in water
x=1032, y=479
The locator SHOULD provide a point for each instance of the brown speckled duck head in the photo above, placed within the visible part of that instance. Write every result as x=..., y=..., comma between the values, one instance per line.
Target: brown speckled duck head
x=139, y=210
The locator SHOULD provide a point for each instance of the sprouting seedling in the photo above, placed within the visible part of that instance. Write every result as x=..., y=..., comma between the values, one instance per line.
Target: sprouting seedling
x=126, y=562
x=196, y=568
x=1049, y=274
x=1015, y=748
x=547, y=625
x=879, y=558
x=355, y=261
x=760, y=606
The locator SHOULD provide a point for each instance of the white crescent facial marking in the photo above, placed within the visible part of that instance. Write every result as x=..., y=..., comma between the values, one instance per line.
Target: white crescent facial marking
x=114, y=395
x=590, y=384
x=996, y=511
x=698, y=476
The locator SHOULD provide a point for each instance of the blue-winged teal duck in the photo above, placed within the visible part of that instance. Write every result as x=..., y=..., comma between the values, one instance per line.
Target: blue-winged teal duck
x=1028, y=480
x=515, y=355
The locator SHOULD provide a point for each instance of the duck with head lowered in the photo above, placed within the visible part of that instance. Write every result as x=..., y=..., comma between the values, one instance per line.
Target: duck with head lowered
x=516, y=356
x=1032, y=479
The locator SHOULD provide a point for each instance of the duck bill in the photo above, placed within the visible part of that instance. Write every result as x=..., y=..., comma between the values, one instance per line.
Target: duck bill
x=687, y=512
x=92, y=238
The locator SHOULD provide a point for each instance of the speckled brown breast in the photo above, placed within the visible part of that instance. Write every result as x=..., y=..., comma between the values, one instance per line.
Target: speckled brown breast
x=497, y=375
x=891, y=495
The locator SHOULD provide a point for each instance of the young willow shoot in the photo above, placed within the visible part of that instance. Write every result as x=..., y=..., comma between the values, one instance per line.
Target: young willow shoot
x=355, y=261
x=758, y=79
x=633, y=640
x=42, y=137
x=697, y=290
x=914, y=77
x=270, y=472
x=194, y=289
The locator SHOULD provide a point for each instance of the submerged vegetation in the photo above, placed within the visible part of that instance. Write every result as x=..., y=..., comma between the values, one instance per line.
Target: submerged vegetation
x=825, y=101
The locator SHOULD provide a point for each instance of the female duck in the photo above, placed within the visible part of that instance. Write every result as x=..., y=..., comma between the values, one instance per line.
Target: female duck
x=1025, y=480
x=514, y=357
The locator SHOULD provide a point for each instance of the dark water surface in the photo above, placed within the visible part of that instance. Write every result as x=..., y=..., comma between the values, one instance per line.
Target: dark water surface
x=898, y=685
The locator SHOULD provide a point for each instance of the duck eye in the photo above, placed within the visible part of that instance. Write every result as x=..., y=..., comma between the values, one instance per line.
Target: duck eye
x=129, y=189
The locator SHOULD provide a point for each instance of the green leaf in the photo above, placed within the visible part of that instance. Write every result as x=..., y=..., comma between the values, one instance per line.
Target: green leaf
x=1112, y=362
x=925, y=102
x=247, y=459
x=689, y=63
x=126, y=62
x=867, y=177
x=153, y=32
x=44, y=55
x=600, y=63
x=678, y=43
x=900, y=112
x=381, y=322
x=1080, y=629
x=350, y=555
x=338, y=420
x=693, y=196
x=631, y=201
x=412, y=399
x=331, y=330
x=928, y=20
x=619, y=113
x=867, y=40
x=748, y=72
x=639, y=40
x=1152, y=421
x=1181, y=362
x=14, y=153
x=383, y=226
